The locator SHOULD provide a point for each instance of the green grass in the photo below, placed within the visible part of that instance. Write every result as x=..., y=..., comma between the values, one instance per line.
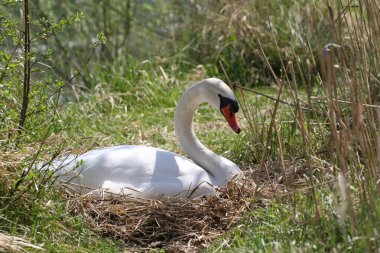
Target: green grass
x=290, y=226
x=141, y=111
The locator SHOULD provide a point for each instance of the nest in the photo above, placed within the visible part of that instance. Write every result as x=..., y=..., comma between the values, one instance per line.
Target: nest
x=175, y=224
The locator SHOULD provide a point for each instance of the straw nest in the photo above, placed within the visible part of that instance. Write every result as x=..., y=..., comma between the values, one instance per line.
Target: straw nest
x=172, y=223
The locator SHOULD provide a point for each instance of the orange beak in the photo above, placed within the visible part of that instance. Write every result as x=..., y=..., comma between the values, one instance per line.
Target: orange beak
x=230, y=117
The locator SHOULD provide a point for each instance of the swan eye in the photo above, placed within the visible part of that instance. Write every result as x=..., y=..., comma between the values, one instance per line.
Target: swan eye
x=224, y=101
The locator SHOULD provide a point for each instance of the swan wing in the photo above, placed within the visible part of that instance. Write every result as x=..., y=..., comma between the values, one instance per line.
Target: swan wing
x=136, y=170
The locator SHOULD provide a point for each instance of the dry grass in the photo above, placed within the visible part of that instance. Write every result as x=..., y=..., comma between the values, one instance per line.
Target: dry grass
x=15, y=244
x=172, y=223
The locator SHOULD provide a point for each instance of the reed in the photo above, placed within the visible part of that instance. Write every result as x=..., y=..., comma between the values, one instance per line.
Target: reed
x=332, y=94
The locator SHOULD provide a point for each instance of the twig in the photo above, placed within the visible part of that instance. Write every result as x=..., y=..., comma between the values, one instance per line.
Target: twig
x=27, y=70
x=281, y=153
x=272, y=98
x=269, y=134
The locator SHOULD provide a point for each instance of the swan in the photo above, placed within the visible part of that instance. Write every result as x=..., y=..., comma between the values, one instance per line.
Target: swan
x=148, y=172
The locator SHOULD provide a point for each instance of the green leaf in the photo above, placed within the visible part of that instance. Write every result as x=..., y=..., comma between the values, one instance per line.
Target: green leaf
x=102, y=38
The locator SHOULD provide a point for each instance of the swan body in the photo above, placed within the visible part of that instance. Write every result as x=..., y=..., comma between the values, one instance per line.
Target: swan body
x=143, y=171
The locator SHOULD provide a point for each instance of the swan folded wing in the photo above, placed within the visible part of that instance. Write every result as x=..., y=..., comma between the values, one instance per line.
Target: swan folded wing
x=139, y=171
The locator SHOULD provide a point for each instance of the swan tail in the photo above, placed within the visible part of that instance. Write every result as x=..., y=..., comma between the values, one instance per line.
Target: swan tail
x=60, y=166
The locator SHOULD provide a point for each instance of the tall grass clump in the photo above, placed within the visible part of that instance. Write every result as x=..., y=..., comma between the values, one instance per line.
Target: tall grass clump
x=226, y=31
x=325, y=115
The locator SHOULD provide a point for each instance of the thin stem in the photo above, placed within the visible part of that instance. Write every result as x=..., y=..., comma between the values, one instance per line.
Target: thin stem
x=27, y=69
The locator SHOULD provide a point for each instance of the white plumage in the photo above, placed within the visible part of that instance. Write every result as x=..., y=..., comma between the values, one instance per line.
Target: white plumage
x=143, y=171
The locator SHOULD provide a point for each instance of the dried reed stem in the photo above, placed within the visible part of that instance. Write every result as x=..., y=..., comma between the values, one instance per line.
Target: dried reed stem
x=305, y=139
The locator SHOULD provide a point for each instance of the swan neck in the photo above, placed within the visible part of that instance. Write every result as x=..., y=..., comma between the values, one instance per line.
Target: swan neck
x=220, y=169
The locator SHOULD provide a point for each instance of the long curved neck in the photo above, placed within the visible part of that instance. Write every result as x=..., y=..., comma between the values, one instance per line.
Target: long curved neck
x=220, y=168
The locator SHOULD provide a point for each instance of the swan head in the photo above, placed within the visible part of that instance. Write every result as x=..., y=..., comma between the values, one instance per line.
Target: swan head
x=220, y=96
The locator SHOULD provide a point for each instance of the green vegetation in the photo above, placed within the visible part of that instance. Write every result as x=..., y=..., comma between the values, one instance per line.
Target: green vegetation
x=281, y=227
x=86, y=74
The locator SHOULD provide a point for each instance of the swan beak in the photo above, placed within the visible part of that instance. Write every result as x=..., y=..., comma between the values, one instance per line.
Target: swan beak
x=230, y=117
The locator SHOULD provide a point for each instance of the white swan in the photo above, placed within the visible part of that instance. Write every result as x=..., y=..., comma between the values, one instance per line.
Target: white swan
x=151, y=172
